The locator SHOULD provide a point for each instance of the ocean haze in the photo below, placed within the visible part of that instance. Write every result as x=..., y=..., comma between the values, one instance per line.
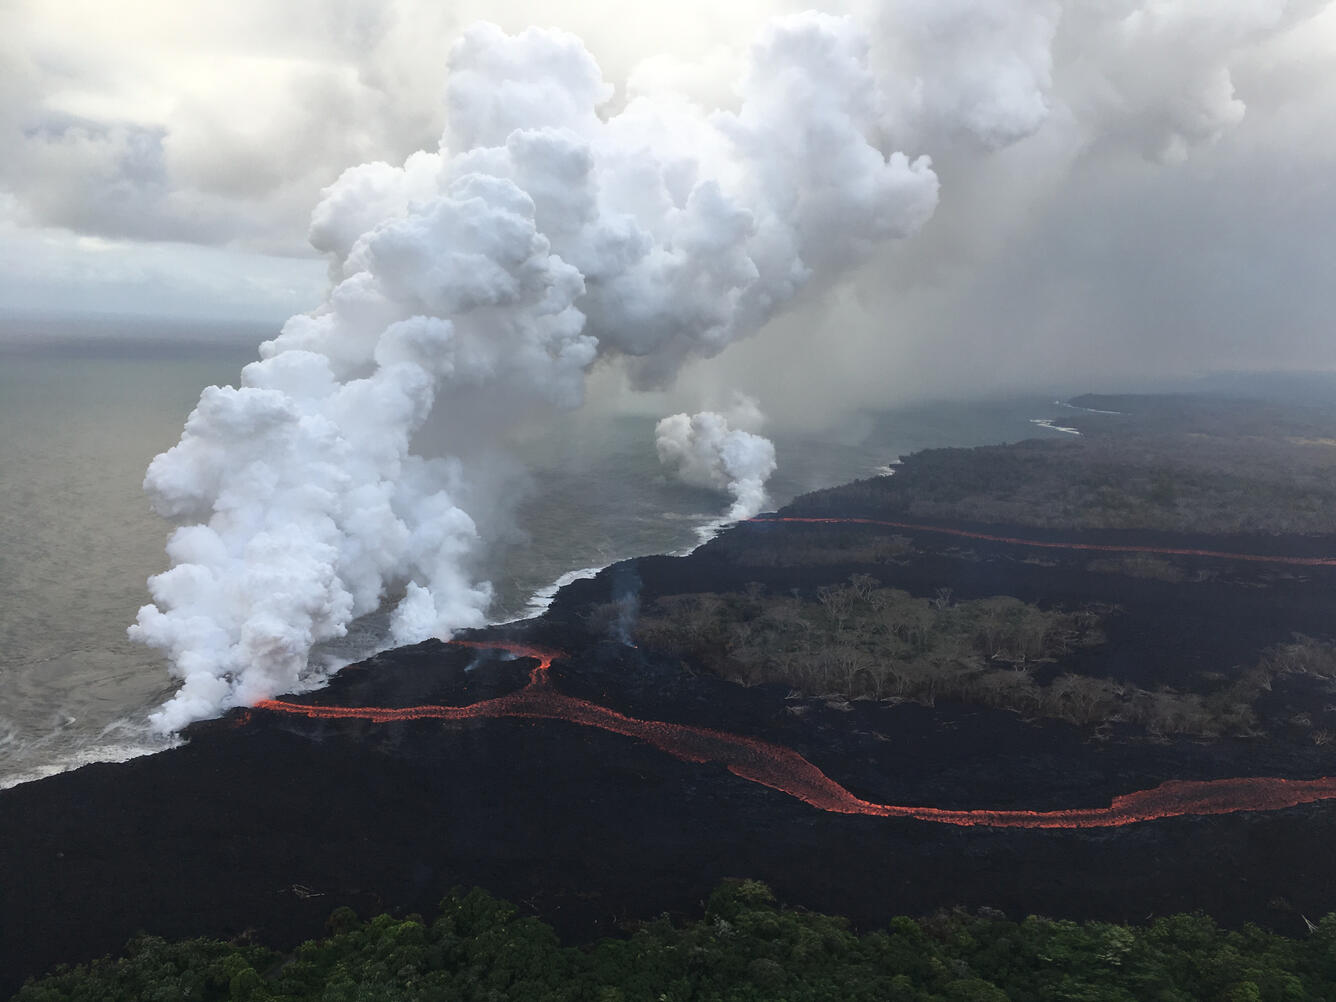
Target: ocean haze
x=77, y=539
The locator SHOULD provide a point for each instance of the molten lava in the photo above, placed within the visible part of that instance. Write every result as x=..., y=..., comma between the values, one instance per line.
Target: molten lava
x=788, y=772
x=1017, y=541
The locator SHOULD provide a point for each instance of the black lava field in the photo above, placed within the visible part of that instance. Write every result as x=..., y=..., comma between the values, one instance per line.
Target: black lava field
x=594, y=782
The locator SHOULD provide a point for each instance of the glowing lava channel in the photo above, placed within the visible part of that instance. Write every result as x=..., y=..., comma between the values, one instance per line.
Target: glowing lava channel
x=788, y=772
x=1017, y=541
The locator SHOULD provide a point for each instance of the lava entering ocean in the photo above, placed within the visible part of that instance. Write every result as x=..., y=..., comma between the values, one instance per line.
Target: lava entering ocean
x=785, y=770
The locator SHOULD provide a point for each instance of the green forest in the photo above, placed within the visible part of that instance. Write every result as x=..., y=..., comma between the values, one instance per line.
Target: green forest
x=860, y=641
x=745, y=948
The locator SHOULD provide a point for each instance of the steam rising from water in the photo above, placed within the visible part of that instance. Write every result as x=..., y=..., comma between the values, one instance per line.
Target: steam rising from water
x=709, y=452
x=477, y=285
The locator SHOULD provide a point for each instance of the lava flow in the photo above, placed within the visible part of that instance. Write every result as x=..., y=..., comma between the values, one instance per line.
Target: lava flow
x=1017, y=541
x=788, y=772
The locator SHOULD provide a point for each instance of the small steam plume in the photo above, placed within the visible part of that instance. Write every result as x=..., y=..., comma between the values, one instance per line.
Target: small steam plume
x=474, y=287
x=625, y=603
x=709, y=451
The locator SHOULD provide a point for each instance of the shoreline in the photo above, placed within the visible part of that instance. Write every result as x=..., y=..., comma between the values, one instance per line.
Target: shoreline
x=590, y=825
x=145, y=741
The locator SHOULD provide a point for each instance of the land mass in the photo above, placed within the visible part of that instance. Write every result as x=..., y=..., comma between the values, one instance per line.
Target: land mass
x=984, y=635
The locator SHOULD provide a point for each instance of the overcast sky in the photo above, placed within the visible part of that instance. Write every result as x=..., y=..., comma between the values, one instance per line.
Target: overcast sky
x=1128, y=187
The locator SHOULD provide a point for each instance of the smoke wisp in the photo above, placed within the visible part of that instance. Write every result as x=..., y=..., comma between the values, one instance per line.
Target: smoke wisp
x=476, y=285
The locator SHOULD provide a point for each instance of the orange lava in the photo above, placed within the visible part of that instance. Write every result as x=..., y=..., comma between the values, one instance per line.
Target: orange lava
x=785, y=770
x=1099, y=547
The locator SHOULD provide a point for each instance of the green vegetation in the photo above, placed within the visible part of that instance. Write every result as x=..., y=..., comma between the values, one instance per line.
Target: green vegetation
x=859, y=641
x=745, y=949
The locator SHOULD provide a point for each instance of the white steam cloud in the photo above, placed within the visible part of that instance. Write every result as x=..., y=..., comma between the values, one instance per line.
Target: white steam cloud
x=475, y=284
x=721, y=451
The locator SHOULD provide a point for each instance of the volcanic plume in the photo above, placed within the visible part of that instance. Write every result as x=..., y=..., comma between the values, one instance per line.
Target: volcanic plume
x=476, y=285
x=721, y=450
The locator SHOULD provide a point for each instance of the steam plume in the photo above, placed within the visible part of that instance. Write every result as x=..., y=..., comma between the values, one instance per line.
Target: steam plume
x=709, y=451
x=485, y=279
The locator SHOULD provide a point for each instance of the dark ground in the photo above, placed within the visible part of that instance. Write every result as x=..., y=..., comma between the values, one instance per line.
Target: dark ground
x=265, y=823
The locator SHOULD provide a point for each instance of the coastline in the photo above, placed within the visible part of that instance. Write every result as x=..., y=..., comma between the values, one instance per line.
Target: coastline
x=588, y=826
x=79, y=689
x=144, y=741
x=585, y=809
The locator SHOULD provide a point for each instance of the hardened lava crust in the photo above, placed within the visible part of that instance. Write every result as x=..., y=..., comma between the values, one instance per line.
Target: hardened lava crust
x=596, y=783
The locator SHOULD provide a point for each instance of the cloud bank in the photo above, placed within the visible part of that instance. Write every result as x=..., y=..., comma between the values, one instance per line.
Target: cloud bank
x=1131, y=187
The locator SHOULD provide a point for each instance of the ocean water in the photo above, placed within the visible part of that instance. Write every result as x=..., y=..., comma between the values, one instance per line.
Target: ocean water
x=83, y=410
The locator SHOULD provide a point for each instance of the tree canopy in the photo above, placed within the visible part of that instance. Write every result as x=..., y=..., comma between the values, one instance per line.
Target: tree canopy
x=746, y=948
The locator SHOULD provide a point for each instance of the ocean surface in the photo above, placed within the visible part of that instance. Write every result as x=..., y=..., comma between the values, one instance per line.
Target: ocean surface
x=86, y=404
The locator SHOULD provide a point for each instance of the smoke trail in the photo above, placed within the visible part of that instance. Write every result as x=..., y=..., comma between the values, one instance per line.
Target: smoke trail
x=486, y=279
x=709, y=451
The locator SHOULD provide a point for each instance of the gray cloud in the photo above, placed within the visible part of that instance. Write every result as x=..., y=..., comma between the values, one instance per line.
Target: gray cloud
x=1142, y=231
x=217, y=128
x=111, y=179
x=1127, y=187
